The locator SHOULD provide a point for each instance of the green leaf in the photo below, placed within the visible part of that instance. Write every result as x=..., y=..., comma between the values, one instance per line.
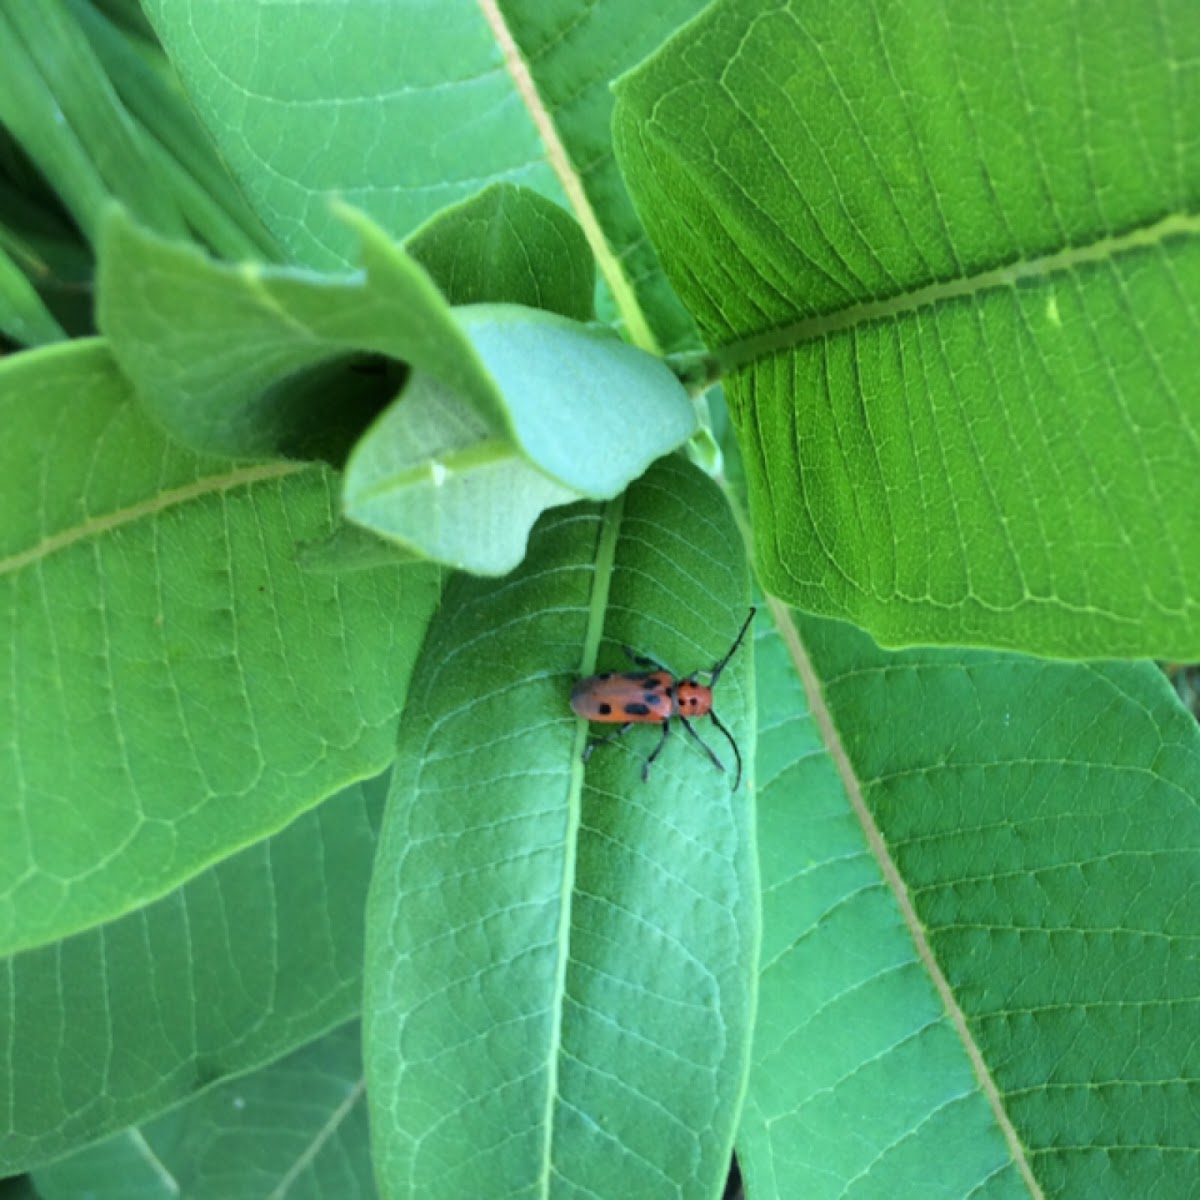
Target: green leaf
x=178, y=149
x=351, y=548
x=573, y=53
x=1040, y=820
x=210, y=347
x=590, y=410
x=345, y=108
x=213, y=348
x=858, y=1080
x=23, y=316
x=429, y=475
x=60, y=105
x=509, y=245
x=331, y=111
x=941, y=251
x=560, y=967
x=177, y=686
x=312, y=1104
x=111, y=1027
x=521, y=410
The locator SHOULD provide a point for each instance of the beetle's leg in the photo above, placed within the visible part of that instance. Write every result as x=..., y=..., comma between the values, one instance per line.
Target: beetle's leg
x=644, y=660
x=707, y=748
x=612, y=737
x=662, y=741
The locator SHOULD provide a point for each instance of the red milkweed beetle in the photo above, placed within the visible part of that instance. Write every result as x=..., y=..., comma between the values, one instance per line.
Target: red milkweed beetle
x=654, y=697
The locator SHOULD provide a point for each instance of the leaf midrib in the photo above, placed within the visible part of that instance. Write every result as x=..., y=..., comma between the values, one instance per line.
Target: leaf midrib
x=612, y=266
x=746, y=350
x=606, y=551
x=437, y=469
x=95, y=527
x=894, y=882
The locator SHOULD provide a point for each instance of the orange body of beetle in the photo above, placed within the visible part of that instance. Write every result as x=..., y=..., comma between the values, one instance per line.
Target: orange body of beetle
x=654, y=698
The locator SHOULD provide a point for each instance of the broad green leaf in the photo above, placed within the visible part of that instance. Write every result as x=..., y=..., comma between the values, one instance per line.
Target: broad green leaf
x=509, y=245
x=178, y=149
x=560, y=964
x=404, y=109
x=239, y=966
x=944, y=252
x=178, y=687
x=1041, y=820
x=218, y=1147
x=398, y=110
x=859, y=1080
x=573, y=53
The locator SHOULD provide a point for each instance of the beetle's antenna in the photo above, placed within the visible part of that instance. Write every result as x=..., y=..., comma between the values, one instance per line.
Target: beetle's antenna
x=716, y=671
x=729, y=736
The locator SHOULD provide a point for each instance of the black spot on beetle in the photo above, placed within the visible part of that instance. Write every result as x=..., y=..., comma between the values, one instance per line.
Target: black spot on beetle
x=605, y=709
x=652, y=698
x=650, y=682
x=636, y=710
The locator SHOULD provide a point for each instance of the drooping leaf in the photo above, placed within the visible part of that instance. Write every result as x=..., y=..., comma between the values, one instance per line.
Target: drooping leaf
x=215, y=352
x=178, y=687
x=560, y=963
x=312, y=1104
x=520, y=410
x=943, y=250
x=430, y=475
x=592, y=411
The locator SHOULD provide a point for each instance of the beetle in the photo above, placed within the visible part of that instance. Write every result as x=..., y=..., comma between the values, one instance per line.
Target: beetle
x=654, y=697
